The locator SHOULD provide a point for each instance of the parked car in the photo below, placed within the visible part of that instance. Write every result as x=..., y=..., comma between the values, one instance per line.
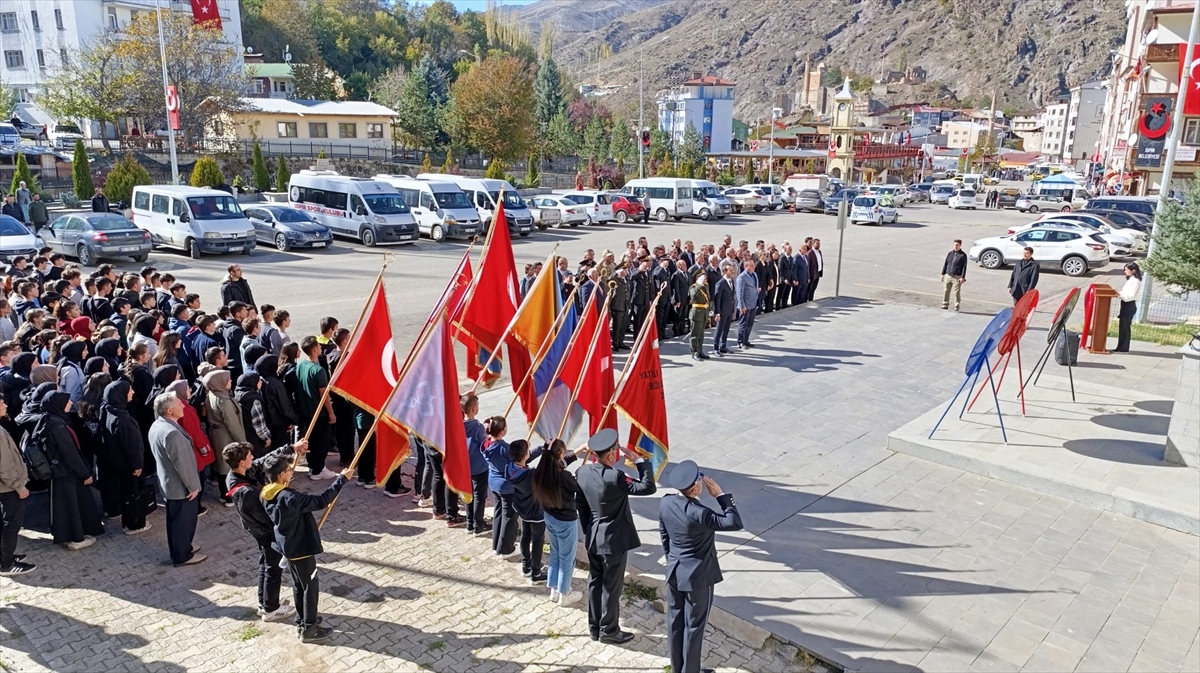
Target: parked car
x=745, y=198
x=774, y=194
x=1124, y=219
x=1138, y=239
x=288, y=228
x=16, y=240
x=809, y=200
x=544, y=218
x=9, y=135
x=568, y=211
x=1032, y=203
x=919, y=193
x=941, y=193
x=963, y=198
x=626, y=208
x=1118, y=246
x=899, y=194
x=869, y=209
x=1074, y=252
x=1144, y=205
x=63, y=136
x=94, y=236
x=28, y=129
x=708, y=202
x=1007, y=198
x=831, y=203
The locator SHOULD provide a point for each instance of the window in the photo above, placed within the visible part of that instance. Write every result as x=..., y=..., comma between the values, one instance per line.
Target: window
x=286, y=129
x=37, y=25
x=176, y=207
x=41, y=57
x=24, y=96
x=112, y=19
x=63, y=59
x=160, y=204
x=280, y=86
x=14, y=59
x=1191, y=132
x=1032, y=236
x=141, y=200
x=257, y=87
x=374, y=130
x=58, y=23
x=426, y=201
x=8, y=22
x=318, y=130
x=347, y=130
x=1062, y=236
x=356, y=205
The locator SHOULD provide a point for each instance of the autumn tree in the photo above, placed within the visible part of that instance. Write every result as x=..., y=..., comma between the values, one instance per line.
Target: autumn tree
x=91, y=83
x=419, y=103
x=489, y=108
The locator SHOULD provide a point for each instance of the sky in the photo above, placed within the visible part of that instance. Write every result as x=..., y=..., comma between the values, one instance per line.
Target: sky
x=476, y=5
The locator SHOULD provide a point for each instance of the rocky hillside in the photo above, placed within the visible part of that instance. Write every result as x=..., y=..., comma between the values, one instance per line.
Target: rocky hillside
x=1025, y=50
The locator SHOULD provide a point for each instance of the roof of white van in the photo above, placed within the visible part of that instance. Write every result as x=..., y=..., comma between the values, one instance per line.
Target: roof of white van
x=182, y=190
x=461, y=179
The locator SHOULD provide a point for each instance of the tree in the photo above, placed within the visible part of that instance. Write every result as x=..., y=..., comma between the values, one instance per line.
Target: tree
x=91, y=83
x=1176, y=258
x=282, y=174
x=124, y=176
x=81, y=173
x=621, y=145
x=262, y=178
x=208, y=72
x=749, y=171
x=489, y=108
x=691, y=150
x=660, y=145
x=315, y=81
x=595, y=140
x=548, y=95
x=22, y=174
x=426, y=164
x=448, y=164
x=206, y=173
x=419, y=104
x=532, y=179
x=8, y=101
x=495, y=170
x=833, y=76
x=561, y=140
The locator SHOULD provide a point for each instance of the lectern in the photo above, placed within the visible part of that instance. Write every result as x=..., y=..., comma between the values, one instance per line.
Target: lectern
x=1100, y=317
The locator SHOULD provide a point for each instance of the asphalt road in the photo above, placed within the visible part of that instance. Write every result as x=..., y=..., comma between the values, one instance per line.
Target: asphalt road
x=897, y=262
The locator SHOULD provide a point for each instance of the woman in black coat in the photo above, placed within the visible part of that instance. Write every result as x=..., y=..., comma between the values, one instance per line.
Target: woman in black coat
x=124, y=451
x=110, y=350
x=74, y=519
x=86, y=423
x=281, y=415
x=14, y=382
x=137, y=373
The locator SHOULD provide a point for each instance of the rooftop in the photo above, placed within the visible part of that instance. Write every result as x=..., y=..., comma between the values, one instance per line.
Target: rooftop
x=709, y=80
x=272, y=70
x=355, y=108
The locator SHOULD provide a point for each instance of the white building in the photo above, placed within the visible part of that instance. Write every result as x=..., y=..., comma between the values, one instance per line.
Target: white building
x=1085, y=119
x=1055, y=134
x=968, y=134
x=1030, y=129
x=36, y=35
x=706, y=102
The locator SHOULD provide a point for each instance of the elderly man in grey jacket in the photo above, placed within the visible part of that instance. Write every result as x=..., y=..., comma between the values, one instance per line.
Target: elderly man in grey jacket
x=178, y=476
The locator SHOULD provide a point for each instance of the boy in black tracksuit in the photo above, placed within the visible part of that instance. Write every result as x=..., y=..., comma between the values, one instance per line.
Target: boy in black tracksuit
x=243, y=485
x=298, y=539
x=533, y=521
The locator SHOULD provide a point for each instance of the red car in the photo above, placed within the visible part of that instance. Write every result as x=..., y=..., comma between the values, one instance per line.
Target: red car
x=625, y=208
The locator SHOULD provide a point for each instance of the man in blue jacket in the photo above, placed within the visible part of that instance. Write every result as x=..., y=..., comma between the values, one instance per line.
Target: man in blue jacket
x=747, y=302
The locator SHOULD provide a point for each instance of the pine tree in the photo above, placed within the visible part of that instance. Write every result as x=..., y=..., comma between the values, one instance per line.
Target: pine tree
x=495, y=170
x=262, y=178
x=448, y=164
x=621, y=144
x=532, y=179
x=282, y=175
x=426, y=164
x=420, y=105
x=81, y=173
x=595, y=140
x=22, y=174
x=749, y=171
x=124, y=176
x=547, y=94
x=1176, y=257
x=206, y=173
x=561, y=139
x=691, y=150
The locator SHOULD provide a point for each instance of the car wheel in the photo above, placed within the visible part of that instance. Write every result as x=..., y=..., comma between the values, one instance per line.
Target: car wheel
x=281, y=242
x=879, y=222
x=677, y=218
x=85, y=256
x=368, y=237
x=720, y=217
x=524, y=234
x=574, y=224
x=1032, y=209
x=737, y=210
x=991, y=259
x=557, y=224
x=661, y=215
x=141, y=259
x=1065, y=209
x=621, y=217
x=193, y=248
x=758, y=209
x=437, y=233
x=1074, y=266
x=705, y=214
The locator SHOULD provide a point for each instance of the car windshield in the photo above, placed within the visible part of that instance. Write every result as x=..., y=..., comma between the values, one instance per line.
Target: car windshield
x=67, y=128
x=943, y=189
x=452, y=199
x=709, y=192
x=214, y=207
x=511, y=199
x=109, y=223
x=810, y=194
x=291, y=215
x=577, y=199
x=864, y=202
x=967, y=193
x=9, y=226
x=386, y=204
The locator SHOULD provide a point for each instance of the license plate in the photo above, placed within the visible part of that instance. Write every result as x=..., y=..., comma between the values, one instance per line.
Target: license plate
x=129, y=248
x=319, y=245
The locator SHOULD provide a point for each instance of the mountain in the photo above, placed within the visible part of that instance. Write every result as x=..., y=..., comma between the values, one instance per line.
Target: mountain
x=1027, y=51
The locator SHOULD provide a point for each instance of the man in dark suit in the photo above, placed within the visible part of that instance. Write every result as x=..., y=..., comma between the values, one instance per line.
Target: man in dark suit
x=724, y=302
x=799, y=274
x=680, y=307
x=640, y=283
x=784, y=291
x=1024, y=275
x=618, y=308
x=662, y=309
x=592, y=284
x=688, y=530
x=608, y=528
x=816, y=267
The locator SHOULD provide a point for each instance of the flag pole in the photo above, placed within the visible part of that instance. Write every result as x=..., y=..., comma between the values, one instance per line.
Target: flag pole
x=541, y=354
x=557, y=371
x=632, y=354
x=512, y=323
x=587, y=359
x=421, y=341
x=312, y=424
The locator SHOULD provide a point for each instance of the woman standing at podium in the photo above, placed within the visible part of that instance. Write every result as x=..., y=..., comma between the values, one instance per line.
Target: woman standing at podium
x=1129, y=293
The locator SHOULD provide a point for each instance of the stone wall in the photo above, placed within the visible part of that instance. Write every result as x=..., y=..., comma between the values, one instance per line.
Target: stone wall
x=1183, y=435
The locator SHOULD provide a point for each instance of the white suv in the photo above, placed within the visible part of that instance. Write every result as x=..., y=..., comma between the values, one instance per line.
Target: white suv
x=773, y=193
x=963, y=198
x=1074, y=251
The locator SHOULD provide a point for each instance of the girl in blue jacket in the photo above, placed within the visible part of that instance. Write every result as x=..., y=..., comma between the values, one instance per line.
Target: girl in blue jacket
x=504, y=516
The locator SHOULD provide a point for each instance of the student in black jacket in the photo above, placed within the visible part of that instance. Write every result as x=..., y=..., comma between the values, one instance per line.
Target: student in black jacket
x=281, y=415
x=246, y=478
x=533, y=525
x=298, y=539
x=74, y=520
x=121, y=455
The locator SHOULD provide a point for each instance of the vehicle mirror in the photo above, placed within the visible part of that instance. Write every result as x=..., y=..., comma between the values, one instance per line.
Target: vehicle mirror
x=360, y=210
x=185, y=217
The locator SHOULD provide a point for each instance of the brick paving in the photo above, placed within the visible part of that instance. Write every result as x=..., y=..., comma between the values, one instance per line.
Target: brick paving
x=403, y=591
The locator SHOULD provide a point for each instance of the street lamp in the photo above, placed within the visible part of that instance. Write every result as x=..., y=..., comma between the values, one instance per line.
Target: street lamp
x=776, y=113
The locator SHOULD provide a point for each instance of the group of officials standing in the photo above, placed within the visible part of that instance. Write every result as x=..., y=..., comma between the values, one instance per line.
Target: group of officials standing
x=686, y=527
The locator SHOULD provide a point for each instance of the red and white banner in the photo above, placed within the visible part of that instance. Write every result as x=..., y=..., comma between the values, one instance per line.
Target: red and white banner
x=205, y=13
x=1191, y=101
x=172, y=107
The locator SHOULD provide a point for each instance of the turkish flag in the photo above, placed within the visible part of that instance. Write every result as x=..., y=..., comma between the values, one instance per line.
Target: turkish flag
x=204, y=13
x=588, y=370
x=1191, y=101
x=493, y=299
x=643, y=402
x=366, y=374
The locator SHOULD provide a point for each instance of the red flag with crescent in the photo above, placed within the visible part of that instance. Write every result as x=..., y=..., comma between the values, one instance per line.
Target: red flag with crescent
x=205, y=13
x=1190, y=65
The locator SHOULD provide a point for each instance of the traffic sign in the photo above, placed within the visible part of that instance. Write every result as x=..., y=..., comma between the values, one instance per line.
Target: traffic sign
x=964, y=152
x=172, y=107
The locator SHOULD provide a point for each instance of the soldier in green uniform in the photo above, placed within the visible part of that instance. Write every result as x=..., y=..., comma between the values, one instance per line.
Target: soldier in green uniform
x=699, y=297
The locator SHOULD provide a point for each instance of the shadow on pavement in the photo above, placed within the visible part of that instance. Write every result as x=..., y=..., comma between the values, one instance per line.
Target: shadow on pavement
x=88, y=643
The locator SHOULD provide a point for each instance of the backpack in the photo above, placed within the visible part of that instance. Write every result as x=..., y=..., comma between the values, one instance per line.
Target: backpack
x=35, y=459
x=196, y=399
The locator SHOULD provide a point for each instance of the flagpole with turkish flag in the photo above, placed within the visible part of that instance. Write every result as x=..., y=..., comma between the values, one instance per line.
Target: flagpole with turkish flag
x=577, y=375
x=206, y=14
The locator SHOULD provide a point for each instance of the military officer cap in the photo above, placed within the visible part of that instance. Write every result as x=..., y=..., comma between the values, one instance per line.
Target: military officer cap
x=602, y=441
x=684, y=475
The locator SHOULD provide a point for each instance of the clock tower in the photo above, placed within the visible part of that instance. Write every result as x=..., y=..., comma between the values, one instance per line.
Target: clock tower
x=841, y=135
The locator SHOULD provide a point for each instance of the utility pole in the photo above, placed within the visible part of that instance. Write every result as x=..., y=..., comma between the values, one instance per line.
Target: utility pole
x=162, y=53
x=641, y=110
x=1164, y=190
x=991, y=122
x=771, y=147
